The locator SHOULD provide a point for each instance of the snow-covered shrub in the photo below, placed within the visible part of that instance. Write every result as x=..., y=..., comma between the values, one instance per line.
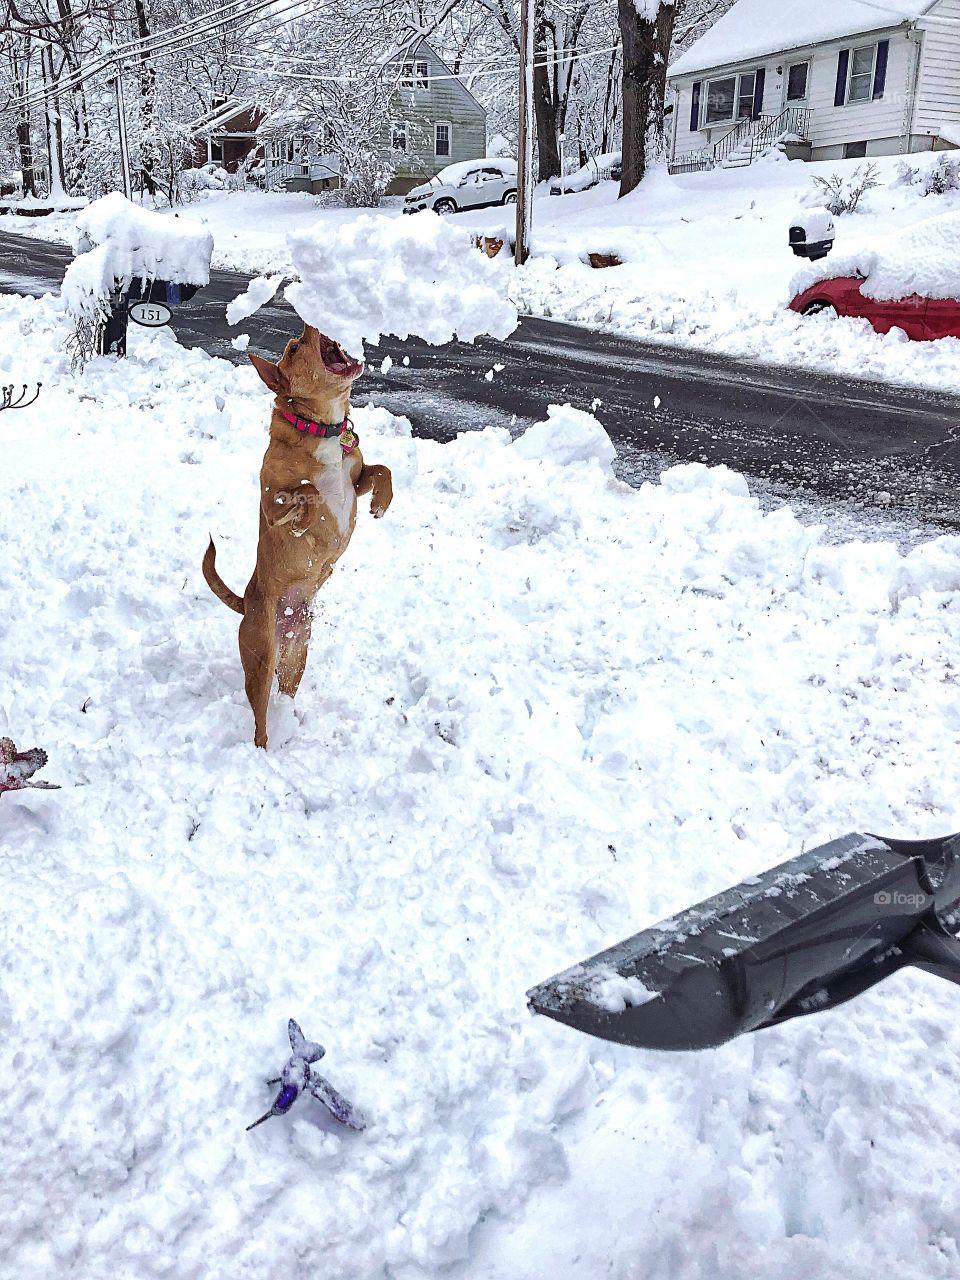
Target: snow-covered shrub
x=942, y=177
x=843, y=193
x=365, y=177
x=907, y=174
x=930, y=180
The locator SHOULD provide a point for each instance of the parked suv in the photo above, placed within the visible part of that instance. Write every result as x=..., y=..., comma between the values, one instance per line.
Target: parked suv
x=471, y=184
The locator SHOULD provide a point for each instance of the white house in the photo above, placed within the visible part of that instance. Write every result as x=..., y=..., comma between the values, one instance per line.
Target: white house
x=829, y=78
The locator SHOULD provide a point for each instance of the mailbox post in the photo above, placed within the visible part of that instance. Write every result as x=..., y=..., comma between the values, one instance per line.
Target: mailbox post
x=146, y=303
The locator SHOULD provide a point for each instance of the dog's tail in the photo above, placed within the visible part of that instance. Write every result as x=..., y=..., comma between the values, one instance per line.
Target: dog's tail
x=216, y=583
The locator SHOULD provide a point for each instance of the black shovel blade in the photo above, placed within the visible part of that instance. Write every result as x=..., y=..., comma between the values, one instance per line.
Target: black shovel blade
x=804, y=936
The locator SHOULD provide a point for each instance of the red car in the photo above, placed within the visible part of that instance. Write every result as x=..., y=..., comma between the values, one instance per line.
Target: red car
x=922, y=262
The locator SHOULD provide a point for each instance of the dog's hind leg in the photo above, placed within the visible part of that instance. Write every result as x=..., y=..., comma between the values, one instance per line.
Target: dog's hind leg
x=293, y=644
x=258, y=653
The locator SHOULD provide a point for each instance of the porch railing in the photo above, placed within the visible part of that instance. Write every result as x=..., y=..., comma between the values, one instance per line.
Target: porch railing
x=747, y=139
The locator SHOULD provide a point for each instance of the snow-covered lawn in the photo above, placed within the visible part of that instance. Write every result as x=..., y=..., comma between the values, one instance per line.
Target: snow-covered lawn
x=542, y=711
x=706, y=261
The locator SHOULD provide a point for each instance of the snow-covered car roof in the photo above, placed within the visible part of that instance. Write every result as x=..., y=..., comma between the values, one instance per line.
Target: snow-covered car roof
x=754, y=28
x=924, y=260
x=452, y=174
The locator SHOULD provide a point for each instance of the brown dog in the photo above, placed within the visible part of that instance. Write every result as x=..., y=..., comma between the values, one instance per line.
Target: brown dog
x=311, y=476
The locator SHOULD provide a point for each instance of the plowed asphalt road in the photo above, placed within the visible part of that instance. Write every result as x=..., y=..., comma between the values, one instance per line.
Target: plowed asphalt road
x=822, y=438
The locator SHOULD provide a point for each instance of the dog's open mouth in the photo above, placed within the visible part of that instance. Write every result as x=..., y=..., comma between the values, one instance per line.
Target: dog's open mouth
x=335, y=359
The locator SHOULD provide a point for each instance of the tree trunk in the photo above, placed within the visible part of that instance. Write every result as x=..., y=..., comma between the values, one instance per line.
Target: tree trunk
x=58, y=180
x=544, y=101
x=610, y=102
x=148, y=76
x=77, y=98
x=25, y=148
x=646, y=45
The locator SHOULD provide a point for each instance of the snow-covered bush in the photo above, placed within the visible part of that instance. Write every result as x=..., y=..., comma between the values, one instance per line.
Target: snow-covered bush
x=942, y=177
x=842, y=193
x=930, y=180
x=365, y=177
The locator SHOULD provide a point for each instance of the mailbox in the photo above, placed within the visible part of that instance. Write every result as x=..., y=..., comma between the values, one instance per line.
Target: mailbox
x=812, y=234
x=165, y=291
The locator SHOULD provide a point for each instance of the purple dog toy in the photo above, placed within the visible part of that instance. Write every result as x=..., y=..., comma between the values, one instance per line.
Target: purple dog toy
x=297, y=1076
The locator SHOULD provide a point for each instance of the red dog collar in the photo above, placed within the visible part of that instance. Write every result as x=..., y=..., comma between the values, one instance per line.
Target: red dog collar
x=348, y=438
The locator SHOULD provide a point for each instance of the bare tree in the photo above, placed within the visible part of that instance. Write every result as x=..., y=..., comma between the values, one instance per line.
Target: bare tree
x=646, y=29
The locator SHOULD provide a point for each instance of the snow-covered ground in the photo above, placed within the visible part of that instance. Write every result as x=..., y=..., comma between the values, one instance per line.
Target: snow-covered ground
x=542, y=711
x=706, y=261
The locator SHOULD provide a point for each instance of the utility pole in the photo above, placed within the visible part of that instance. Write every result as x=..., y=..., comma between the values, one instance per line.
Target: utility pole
x=122, y=127
x=525, y=147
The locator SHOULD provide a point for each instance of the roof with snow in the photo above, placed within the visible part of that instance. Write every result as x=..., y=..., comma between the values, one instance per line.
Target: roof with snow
x=755, y=28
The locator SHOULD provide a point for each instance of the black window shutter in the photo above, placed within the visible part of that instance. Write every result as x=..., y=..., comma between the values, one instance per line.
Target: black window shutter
x=880, y=72
x=695, y=107
x=843, y=61
x=758, y=93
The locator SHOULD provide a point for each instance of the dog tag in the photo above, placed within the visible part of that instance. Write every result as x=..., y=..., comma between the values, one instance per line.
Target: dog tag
x=348, y=441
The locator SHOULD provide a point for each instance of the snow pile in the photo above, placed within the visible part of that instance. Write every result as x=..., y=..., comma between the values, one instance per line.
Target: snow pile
x=569, y=435
x=258, y=291
x=418, y=275
x=117, y=242
x=550, y=711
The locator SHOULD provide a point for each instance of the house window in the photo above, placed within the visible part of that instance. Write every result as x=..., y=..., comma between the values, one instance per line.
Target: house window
x=748, y=84
x=855, y=151
x=216, y=151
x=398, y=136
x=797, y=82
x=720, y=99
x=860, y=83
x=729, y=98
x=442, y=140
x=415, y=75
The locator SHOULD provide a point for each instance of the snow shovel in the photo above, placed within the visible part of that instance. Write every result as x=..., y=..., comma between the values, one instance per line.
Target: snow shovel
x=805, y=936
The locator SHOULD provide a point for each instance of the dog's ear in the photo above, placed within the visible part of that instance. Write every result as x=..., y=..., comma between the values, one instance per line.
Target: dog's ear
x=271, y=374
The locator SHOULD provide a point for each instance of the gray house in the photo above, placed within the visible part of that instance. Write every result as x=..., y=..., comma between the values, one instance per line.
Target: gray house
x=434, y=120
x=827, y=79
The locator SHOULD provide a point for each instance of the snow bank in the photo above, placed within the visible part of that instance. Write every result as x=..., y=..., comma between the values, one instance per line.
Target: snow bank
x=569, y=435
x=116, y=240
x=416, y=276
x=550, y=711
x=924, y=259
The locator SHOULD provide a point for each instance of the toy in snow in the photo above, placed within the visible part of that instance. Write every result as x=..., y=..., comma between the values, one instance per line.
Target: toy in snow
x=298, y=1076
x=18, y=767
x=805, y=936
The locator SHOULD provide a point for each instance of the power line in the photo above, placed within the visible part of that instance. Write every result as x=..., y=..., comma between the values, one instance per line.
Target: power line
x=328, y=79
x=162, y=43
